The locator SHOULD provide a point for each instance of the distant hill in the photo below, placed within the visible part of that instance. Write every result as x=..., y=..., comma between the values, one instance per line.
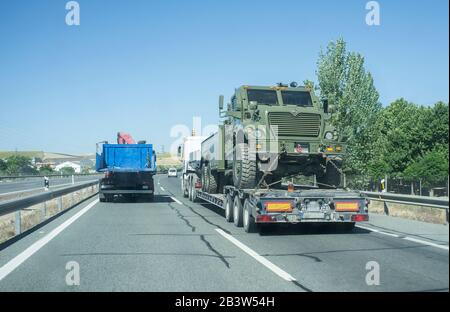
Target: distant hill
x=46, y=155
x=31, y=154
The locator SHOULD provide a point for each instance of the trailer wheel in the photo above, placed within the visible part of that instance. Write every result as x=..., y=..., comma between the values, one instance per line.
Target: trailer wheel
x=237, y=211
x=190, y=190
x=102, y=198
x=228, y=205
x=184, y=189
x=244, y=169
x=249, y=222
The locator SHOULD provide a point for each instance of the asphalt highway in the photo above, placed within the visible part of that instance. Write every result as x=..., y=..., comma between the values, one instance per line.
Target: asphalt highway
x=172, y=244
x=36, y=183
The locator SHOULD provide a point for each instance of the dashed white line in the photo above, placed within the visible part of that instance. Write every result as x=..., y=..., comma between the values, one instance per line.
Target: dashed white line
x=411, y=239
x=27, y=253
x=162, y=189
x=176, y=200
x=275, y=269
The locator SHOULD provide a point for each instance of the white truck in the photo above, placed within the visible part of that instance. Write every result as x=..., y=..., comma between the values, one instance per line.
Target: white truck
x=190, y=153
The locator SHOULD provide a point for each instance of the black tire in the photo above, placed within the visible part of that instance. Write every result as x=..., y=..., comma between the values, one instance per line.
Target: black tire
x=228, y=206
x=244, y=170
x=185, y=189
x=211, y=186
x=102, y=199
x=248, y=220
x=190, y=190
x=203, y=178
x=237, y=212
x=332, y=176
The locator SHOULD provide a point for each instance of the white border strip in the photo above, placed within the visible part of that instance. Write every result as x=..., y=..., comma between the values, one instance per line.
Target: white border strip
x=176, y=200
x=411, y=239
x=275, y=269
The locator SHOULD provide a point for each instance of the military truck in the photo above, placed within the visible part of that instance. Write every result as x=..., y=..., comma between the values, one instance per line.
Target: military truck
x=269, y=133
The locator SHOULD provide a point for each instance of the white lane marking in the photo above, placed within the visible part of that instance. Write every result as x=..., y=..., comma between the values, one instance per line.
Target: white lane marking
x=411, y=239
x=377, y=231
x=27, y=253
x=176, y=200
x=425, y=243
x=275, y=269
x=162, y=189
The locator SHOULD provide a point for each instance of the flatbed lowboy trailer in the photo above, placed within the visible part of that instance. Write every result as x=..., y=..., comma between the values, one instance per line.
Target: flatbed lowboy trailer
x=252, y=208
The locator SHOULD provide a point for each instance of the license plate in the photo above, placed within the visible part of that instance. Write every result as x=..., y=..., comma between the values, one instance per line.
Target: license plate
x=347, y=206
x=301, y=148
x=314, y=215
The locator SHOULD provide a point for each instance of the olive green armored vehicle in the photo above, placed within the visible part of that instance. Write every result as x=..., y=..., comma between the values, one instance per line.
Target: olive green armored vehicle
x=269, y=133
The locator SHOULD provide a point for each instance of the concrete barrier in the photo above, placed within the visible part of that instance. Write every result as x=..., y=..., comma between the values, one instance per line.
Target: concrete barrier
x=408, y=211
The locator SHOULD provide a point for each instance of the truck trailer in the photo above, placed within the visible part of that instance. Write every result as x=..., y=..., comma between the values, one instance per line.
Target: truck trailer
x=221, y=170
x=128, y=169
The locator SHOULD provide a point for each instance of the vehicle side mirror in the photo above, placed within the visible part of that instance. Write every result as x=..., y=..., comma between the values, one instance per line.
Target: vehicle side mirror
x=221, y=102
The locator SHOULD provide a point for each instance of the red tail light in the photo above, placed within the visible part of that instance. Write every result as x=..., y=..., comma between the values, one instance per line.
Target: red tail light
x=108, y=174
x=360, y=217
x=264, y=218
x=198, y=184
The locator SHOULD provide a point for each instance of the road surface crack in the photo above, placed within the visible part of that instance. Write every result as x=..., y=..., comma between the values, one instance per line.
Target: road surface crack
x=203, y=217
x=218, y=254
x=179, y=215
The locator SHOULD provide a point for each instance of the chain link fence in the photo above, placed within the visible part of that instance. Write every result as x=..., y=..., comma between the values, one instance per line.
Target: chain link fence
x=398, y=185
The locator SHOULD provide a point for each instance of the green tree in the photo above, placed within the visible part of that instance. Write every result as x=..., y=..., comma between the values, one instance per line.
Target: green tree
x=67, y=170
x=435, y=126
x=19, y=165
x=407, y=132
x=3, y=165
x=431, y=168
x=344, y=81
x=46, y=169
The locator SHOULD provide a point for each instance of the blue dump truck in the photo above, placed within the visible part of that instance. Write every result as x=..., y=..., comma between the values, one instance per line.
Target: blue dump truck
x=128, y=169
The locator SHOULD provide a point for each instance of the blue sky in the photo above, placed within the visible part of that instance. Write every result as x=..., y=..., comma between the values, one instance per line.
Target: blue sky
x=145, y=66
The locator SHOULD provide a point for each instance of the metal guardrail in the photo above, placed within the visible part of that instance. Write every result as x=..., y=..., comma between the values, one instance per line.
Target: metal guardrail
x=425, y=201
x=22, y=203
x=50, y=175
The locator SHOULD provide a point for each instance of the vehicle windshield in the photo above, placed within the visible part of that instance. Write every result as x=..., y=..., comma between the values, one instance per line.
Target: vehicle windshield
x=296, y=98
x=267, y=97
